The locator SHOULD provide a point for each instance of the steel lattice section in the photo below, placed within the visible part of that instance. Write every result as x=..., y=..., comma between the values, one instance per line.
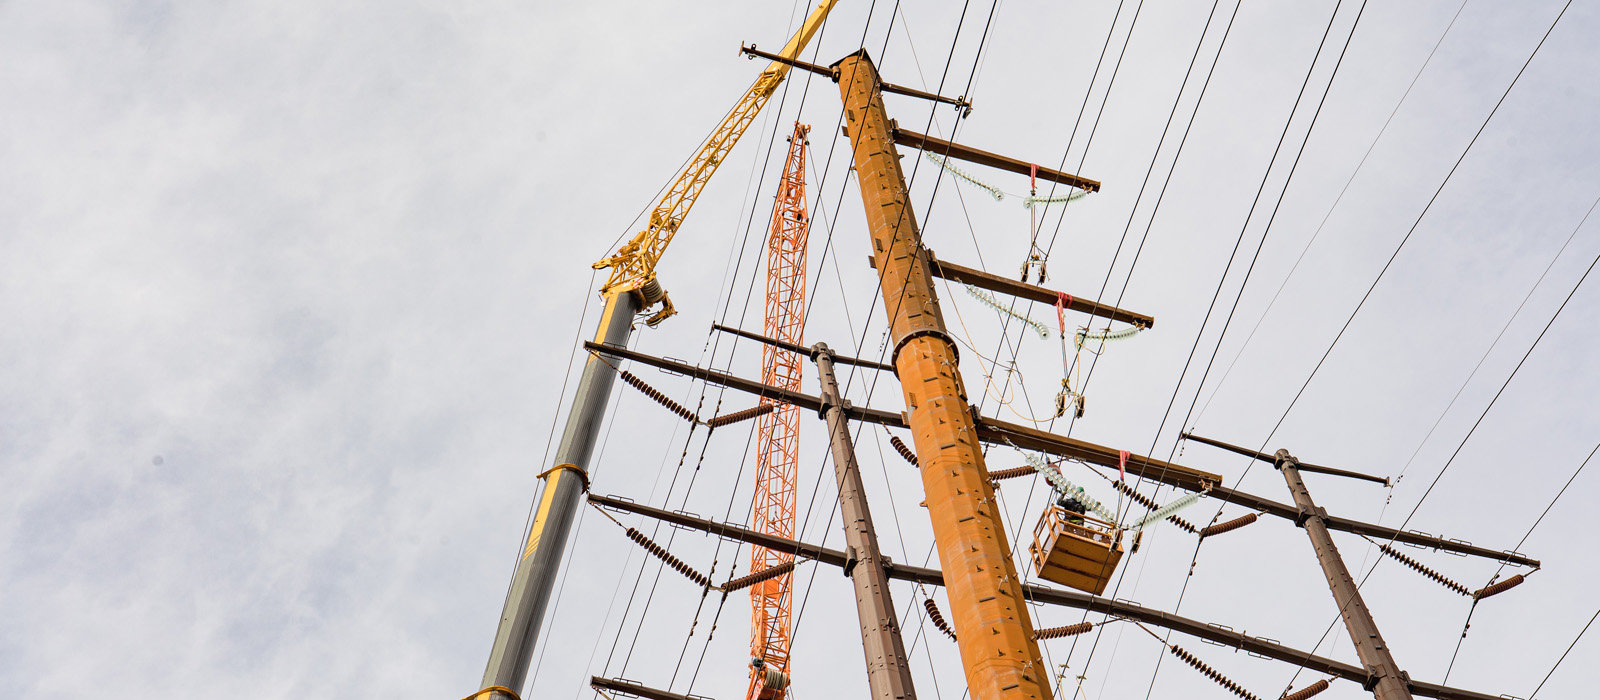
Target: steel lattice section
x=777, y=442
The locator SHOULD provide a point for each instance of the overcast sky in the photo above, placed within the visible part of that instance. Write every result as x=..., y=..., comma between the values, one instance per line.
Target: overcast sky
x=289, y=292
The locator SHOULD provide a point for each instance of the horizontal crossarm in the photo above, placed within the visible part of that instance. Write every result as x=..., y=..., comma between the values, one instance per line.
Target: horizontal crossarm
x=1047, y=595
x=1003, y=433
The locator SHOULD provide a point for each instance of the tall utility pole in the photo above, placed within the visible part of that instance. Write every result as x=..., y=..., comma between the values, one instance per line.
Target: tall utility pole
x=888, y=671
x=1384, y=677
x=778, y=433
x=994, y=633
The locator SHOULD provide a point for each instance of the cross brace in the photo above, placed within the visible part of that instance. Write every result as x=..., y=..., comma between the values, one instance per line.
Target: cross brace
x=1023, y=437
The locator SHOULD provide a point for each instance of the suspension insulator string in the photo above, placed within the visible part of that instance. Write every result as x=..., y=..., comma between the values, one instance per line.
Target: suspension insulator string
x=1200, y=666
x=1059, y=632
x=1230, y=526
x=1307, y=691
x=938, y=618
x=989, y=301
x=657, y=396
x=1211, y=673
x=1419, y=568
x=661, y=553
x=1496, y=588
x=1064, y=487
x=962, y=175
x=737, y=416
x=749, y=580
x=1145, y=501
x=1085, y=335
x=1167, y=511
x=905, y=452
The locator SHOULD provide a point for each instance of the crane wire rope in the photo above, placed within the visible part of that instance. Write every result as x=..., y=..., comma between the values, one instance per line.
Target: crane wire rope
x=1385, y=269
x=1407, y=238
x=1475, y=424
x=1468, y=623
x=1331, y=208
x=1564, y=654
x=1016, y=538
x=1243, y=229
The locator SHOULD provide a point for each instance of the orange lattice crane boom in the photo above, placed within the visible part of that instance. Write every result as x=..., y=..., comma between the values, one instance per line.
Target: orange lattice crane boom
x=778, y=434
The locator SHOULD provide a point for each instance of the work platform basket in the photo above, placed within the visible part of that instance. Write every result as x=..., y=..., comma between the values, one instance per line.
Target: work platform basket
x=1076, y=550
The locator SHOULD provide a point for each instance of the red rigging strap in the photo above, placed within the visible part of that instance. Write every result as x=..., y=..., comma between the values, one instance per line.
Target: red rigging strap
x=1063, y=302
x=1122, y=465
x=1033, y=176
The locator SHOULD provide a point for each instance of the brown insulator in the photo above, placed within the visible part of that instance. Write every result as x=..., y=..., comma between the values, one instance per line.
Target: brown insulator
x=737, y=416
x=1307, y=691
x=1229, y=526
x=903, y=450
x=657, y=396
x=1058, y=632
x=661, y=553
x=1011, y=473
x=1145, y=501
x=1500, y=587
x=1212, y=673
x=757, y=577
x=1425, y=571
x=937, y=618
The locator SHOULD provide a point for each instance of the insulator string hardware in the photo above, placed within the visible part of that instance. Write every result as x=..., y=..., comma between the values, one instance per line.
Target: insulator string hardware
x=738, y=416
x=905, y=451
x=1421, y=569
x=749, y=580
x=1230, y=526
x=1059, y=632
x=989, y=301
x=1307, y=691
x=657, y=396
x=1145, y=501
x=938, y=618
x=1497, y=588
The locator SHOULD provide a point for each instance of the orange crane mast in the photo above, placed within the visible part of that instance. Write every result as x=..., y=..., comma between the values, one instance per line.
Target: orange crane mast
x=778, y=434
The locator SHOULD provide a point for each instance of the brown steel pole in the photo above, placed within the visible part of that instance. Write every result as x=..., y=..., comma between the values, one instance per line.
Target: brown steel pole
x=1384, y=677
x=994, y=633
x=888, y=670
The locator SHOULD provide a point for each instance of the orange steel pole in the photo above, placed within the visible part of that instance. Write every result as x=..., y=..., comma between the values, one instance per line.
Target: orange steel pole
x=995, y=634
x=778, y=434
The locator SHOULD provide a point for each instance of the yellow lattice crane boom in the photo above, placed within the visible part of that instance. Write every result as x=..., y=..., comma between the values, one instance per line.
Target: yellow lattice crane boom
x=634, y=265
x=631, y=288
